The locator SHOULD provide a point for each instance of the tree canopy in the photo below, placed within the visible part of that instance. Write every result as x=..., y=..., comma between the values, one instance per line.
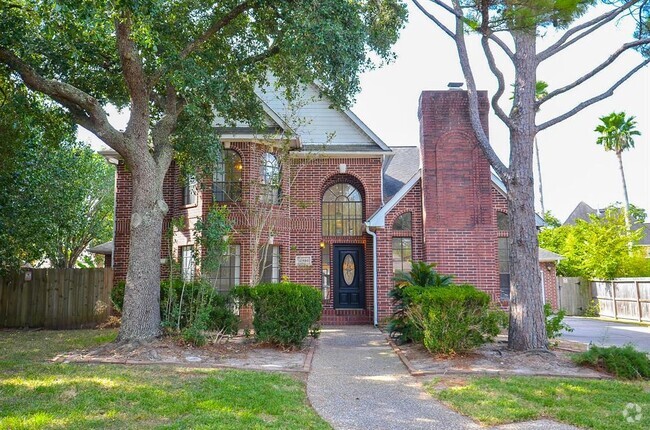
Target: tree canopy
x=174, y=64
x=598, y=248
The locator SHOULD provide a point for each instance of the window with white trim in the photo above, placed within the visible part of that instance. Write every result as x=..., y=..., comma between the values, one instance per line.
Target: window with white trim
x=402, y=254
x=188, y=264
x=270, y=264
x=190, y=191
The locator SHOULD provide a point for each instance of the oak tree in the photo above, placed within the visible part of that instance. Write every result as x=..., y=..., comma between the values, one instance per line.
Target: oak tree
x=173, y=64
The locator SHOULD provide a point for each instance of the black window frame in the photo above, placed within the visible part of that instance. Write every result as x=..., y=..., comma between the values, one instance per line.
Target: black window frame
x=227, y=177
x=342, y=210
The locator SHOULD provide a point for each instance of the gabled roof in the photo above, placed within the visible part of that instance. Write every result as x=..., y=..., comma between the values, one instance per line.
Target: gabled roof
x=378, y=219
x=310, y=121
x=405, y=162
x=582, y=211
x=400, y=168
x=645, y=239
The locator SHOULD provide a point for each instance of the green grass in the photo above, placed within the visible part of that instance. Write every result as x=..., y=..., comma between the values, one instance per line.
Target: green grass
x=593, y=404
x=37, y=394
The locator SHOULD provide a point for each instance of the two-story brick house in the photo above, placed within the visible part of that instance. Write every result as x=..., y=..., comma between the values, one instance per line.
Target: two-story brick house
x=346, y=210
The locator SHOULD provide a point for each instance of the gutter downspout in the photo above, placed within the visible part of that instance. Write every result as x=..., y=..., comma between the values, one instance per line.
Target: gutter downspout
x=374, y=274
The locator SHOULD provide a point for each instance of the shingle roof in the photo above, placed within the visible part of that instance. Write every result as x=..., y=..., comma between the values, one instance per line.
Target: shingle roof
x=645, y=239
x=400, y=169
x=545, y=256
x=105, y=248
x=582, y=211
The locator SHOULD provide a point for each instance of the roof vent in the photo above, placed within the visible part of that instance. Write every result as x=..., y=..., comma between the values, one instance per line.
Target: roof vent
x=454, y=85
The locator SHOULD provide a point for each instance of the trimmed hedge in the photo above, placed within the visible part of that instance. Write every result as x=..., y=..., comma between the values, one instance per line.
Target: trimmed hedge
x=285, y=312
x=454, y=318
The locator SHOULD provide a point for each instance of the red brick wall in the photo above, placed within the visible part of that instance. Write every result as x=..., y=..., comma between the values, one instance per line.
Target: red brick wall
x=411, y=202
x=458, y=212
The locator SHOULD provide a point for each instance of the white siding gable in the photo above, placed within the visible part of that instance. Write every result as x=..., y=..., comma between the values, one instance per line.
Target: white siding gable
x=314, y=121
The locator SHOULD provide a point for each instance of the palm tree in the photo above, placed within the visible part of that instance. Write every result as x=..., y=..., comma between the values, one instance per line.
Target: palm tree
x=617, y=134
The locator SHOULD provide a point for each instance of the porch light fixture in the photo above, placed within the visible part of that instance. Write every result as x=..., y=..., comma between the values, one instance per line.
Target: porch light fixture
x=271, y=239
x=322, y=244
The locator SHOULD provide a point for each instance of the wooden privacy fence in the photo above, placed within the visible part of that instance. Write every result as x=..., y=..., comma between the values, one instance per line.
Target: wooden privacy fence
x=55, y=298
x=574, y=295
x=623, y=298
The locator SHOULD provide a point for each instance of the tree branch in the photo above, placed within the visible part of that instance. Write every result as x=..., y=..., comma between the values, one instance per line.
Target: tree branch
x=595, y=24
x=490, y=34
x=136, y=82
x=593, y=72
x=435, y=20
x=474, y=115
x=86, y=110
x=199, y=41
x=608, y=93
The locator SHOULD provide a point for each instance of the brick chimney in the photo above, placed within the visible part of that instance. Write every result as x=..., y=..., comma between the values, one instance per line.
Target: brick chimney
x=459, y=219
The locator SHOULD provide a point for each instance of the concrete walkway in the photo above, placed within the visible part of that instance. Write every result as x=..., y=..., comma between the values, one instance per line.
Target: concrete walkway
x=358, y=382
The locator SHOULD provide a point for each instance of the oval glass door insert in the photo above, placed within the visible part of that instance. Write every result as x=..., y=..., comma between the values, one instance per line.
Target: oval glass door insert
x=348, y=269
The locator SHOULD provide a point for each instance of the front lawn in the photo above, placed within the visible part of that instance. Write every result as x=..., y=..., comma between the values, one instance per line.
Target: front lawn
x=37, y=394
x=593, y=404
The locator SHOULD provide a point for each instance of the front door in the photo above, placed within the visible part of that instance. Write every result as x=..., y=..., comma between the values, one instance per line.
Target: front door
x=348, y=277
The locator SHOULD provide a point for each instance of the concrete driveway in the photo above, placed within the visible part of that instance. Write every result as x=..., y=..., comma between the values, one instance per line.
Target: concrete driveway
x=608, y=333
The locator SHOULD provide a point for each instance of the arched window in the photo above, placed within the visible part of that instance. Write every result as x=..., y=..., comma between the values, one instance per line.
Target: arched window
x=227, y=177
x=403, y=222
x=270, y=178
x=342, y=211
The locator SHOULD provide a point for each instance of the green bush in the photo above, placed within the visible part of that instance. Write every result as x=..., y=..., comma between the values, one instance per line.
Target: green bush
x=186, y=304
x=453, y=319
x=189, y=308
x=400, y=326
x=117, y=296
x=555, y=322
x=623, y=362
x=593, y=310
x=285, y=312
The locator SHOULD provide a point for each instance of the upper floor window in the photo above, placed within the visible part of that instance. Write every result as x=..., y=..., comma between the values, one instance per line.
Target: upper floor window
x=342, y=211
x=270, y=178
x=403, y=222
x=190, y=191
x=227, y=177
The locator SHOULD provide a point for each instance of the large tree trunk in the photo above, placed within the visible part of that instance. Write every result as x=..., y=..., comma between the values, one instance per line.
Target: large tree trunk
x=527, y=329
x=628, y=223
x=141, y=316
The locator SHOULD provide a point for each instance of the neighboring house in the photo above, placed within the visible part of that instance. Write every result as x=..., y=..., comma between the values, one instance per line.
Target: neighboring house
x=357, y=210
x=644, y=242
x=583, y=211
x=105, y=249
